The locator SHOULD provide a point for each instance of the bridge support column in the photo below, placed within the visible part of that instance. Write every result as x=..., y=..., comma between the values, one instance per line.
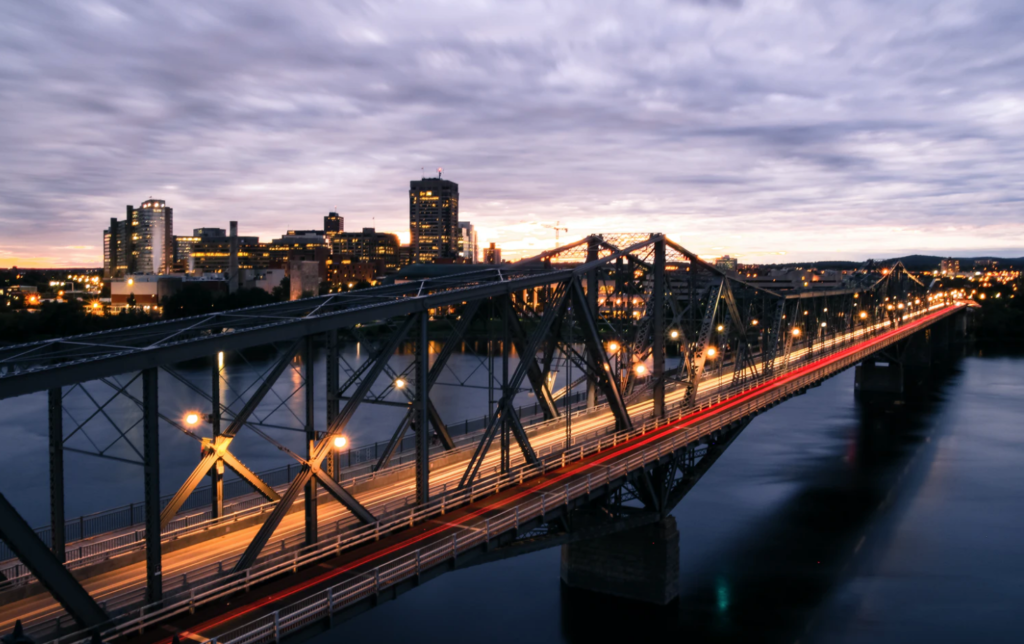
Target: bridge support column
x=873, y=380
x=217, y=471
x=151, y=476
x=959, y=322
x=309, y=504
x=333, y=406
x=917, y=360
x=593, y=286
x=658, y=329
x=57, y=474
x=641, y=564
x=421, y=419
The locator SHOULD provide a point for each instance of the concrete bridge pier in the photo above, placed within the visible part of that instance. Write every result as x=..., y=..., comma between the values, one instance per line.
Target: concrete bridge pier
x=878, y=381
x=641, y=564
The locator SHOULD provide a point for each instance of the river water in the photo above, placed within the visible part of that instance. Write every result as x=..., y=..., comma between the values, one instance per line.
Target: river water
x=821, y=523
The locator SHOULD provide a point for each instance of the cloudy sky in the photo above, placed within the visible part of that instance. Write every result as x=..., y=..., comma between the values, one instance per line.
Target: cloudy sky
x=771, y=130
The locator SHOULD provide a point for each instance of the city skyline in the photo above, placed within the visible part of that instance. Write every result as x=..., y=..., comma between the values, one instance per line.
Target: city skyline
x=849, y=132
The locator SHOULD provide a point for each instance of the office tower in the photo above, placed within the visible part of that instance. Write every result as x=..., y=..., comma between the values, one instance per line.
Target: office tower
x=142, y=243
x=434, y=219
x=333, y=224
x=152, y=237
x=467, y=248
x=116, y=249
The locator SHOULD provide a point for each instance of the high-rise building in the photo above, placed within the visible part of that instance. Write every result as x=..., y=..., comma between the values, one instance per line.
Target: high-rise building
x=152, y=231
x=141, y=244
x=434, y=219
x=116, y=249
x=467, y=242
x=333, y=224
x=950, y=266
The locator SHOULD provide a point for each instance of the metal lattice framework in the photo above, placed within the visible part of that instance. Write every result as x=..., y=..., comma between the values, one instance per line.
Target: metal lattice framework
x=609, y=308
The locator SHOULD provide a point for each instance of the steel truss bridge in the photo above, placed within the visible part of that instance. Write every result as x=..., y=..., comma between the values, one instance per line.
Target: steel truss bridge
x=663, y=360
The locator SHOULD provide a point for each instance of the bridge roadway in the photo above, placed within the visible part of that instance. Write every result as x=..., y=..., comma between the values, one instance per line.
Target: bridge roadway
x=128, y=581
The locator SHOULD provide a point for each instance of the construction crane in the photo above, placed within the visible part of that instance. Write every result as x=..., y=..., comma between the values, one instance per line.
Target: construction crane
x=557, y=228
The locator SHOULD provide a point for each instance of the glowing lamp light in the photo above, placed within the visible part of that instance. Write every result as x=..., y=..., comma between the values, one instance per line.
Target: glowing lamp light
x=721, y=327
x=753, y=322
x=863, y=314
x=711, y=352
x=613, y=346
x=340, y=442
x=640, y=369
x=824, y=324
x=399, y=383
x=191, y=418
x=796, y=332
x=673, y=334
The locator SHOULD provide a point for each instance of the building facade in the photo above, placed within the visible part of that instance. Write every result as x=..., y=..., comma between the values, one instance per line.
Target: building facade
x=434, y=219
x=143, y=243
x=367, y=246
x=152, y=232
x=492, y=254
x=467, y=242
x=333, y=225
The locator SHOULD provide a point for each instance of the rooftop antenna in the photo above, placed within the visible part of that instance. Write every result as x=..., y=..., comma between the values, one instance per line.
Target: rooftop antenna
x=439, y=171
x=423, y=173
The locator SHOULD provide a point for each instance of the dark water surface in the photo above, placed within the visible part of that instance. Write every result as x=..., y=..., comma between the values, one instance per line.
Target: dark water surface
x=821, y=523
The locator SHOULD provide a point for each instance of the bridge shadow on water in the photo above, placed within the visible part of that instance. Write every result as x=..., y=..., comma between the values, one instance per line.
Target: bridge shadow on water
x=767, y=584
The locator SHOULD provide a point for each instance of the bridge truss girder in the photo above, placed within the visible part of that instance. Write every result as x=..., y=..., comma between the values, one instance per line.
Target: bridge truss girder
x=674, y=291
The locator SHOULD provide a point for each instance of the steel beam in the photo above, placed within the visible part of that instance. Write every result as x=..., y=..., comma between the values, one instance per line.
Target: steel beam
x=57, y=536
x=333, y=376
x=440, y=429
x=323, y=448
x=421, y=417
x=250, y=477
x=343, y=496
x=151, y=495
x=698, y=354
x=51, y=573
x=218, y=448
x=309, y=503
x=505, y=405
x=595, y=350
x=658, y=329
x=772, y=350
x=538, y=381
x=593, y=243
x=217, y=471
